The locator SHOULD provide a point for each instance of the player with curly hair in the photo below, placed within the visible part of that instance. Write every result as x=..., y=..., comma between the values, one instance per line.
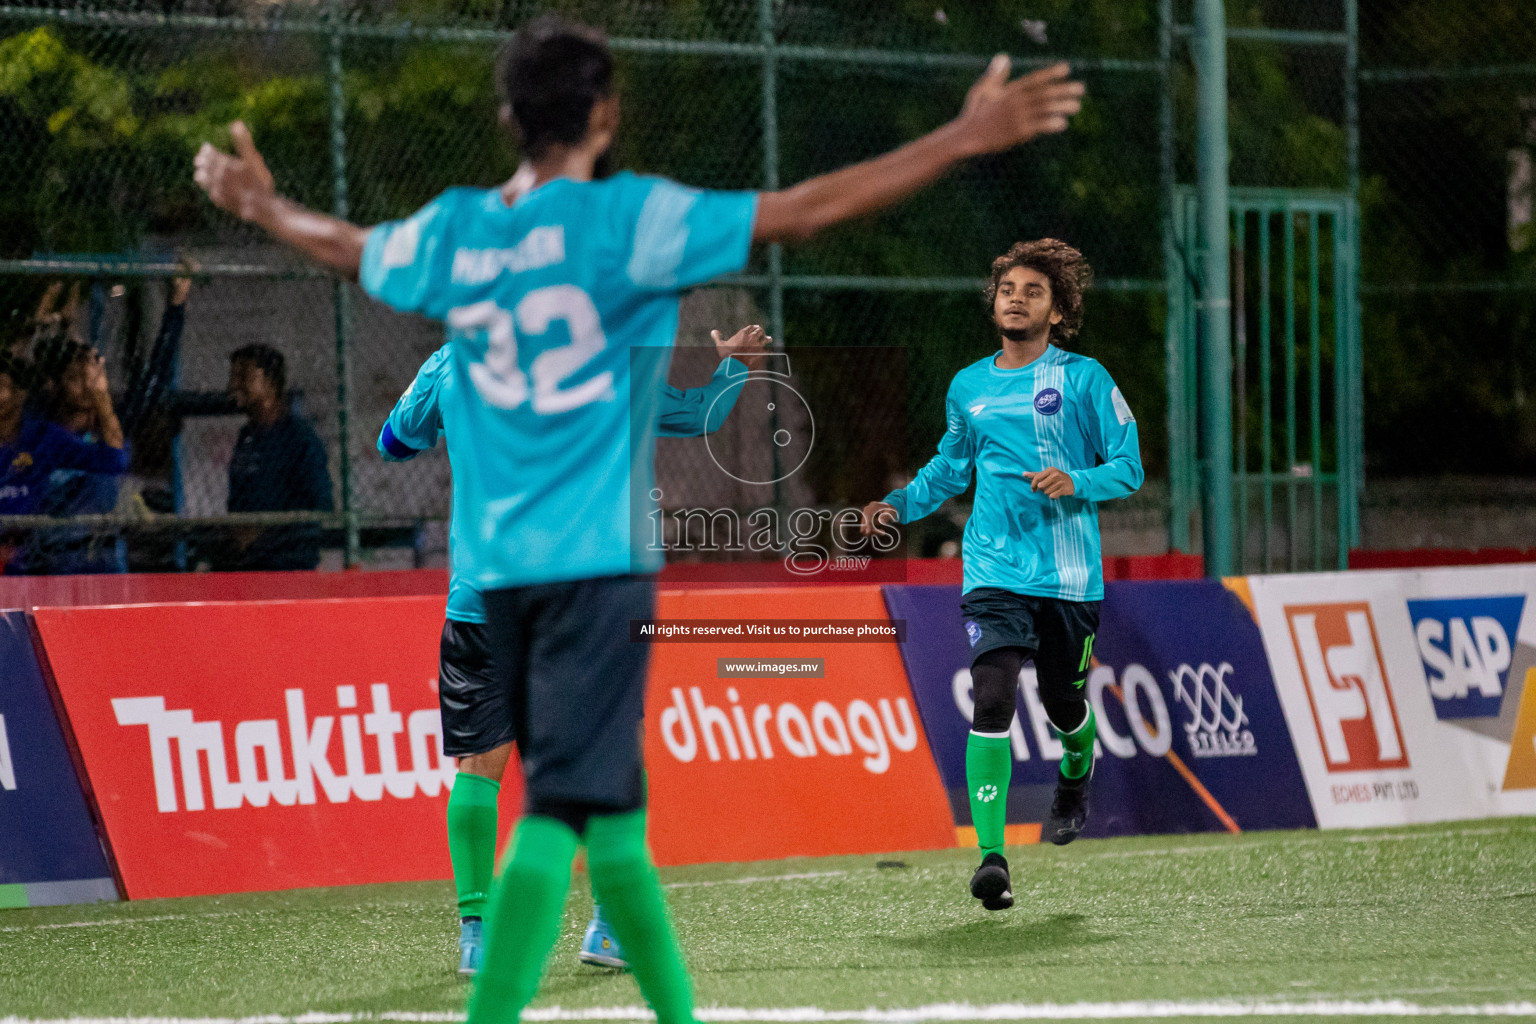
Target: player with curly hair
x=1049, y=436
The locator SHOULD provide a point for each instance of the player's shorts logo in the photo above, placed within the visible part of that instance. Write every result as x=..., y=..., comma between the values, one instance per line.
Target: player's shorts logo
x=986, y=794
x=1048, y=402
x=973, y=631
x=1346, y=684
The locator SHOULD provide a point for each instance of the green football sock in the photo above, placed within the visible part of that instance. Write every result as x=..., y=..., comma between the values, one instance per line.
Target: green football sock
x=624, y=881
x=527, y=907
x=1077, y=748
x=472, y=839
x=988, y=767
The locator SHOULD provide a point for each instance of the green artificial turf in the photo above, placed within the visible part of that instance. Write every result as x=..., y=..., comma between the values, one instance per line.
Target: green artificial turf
x=1436, y=915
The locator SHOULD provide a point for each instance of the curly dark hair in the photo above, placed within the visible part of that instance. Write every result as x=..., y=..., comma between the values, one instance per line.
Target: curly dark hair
x=1066, y=269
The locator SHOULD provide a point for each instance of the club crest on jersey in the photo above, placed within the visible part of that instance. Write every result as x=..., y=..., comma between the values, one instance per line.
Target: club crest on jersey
x=1048, y=402
x=972, y=631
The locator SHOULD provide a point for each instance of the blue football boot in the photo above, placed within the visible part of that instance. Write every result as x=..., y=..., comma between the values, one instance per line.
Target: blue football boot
x=471, y=946
x=600, y=947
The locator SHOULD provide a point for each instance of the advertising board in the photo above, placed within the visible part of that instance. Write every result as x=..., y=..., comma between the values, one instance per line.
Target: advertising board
x=49, y=849
x=1191, y=737
x=261, y=745
x=1411, y=695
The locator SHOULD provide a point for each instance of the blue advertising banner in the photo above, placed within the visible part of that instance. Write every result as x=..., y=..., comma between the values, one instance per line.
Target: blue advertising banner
x=1191, y=734
x=49, y=852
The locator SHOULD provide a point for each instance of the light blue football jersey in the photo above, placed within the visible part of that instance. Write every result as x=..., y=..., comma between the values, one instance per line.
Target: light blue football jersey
x=561, y=312
x=416, y=422
x=1061, y=411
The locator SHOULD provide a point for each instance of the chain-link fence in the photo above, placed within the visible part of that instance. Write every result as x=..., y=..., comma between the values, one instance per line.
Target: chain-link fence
x=370, y=109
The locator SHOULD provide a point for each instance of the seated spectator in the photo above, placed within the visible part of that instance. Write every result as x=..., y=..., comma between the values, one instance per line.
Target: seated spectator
x=73, y=393
x=279, y=465
x=32, y=449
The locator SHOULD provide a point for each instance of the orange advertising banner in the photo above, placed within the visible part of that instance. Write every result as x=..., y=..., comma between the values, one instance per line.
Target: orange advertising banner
x=261, y=745
x=761, y=749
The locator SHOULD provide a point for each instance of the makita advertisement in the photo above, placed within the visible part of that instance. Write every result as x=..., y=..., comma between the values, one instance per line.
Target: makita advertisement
x=49, y=851
x=1411, y=695
x=757, y=749
x=261, y=745
x=1191, y=735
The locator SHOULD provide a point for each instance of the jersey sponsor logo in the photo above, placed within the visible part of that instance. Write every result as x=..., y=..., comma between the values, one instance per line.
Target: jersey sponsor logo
x=838, y=733
x=1048, y=402
x=22, y=461
x=972, y=632
x=1122, y=407
x=1346, y=682
x=7, y=763
x=261, y=772
x=1218, y=725
x=1467, y=646
x=541, y=247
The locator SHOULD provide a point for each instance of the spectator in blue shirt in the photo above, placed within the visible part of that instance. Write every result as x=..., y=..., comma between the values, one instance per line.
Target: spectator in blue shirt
x=32, y=449
x=72, y=380
x=279, y=465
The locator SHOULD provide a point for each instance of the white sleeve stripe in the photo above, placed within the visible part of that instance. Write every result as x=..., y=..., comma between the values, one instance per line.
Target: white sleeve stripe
x=661, y=236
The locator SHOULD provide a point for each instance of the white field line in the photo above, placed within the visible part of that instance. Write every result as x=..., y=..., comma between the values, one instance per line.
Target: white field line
x=939, y=1013
x=750, y=881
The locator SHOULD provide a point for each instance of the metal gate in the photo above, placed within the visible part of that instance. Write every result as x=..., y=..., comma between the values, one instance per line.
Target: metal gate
x=1296, y=389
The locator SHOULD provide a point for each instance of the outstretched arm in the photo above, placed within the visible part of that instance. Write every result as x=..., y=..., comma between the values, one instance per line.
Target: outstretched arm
x=703, y=410
x=240, y=184
x=998, y=115
x=947, y=474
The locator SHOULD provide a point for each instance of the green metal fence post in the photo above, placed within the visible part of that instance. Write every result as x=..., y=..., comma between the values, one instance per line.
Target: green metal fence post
x=1180, y=437
x=767, y=36
x=1215, y=286
x=341, y=296
x=1354, y=418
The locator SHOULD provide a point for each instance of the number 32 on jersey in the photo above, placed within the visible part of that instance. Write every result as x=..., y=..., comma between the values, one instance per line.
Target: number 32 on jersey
x=499, y=379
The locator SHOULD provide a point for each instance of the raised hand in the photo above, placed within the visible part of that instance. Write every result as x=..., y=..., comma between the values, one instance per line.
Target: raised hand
x=999, y=114
x=238, y=183
x=748, y=344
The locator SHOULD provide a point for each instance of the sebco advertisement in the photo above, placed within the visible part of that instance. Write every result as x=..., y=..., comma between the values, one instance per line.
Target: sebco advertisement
x=1190, y=733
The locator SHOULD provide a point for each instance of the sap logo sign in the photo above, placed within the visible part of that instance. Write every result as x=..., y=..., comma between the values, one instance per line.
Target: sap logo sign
x=1346, y=685
x=1467, y=644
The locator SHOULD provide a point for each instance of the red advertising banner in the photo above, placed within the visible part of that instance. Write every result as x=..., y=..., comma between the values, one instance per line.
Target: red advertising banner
x=261, y=745
x=752, y=756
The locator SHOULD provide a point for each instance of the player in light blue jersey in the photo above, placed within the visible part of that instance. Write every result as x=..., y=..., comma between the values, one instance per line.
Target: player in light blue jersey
x=560, y=290
x=477, y=717
x=1049, y=436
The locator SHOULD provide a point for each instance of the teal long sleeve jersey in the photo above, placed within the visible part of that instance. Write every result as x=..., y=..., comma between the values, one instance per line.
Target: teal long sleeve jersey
x=1061, y=411
x=416, y=422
